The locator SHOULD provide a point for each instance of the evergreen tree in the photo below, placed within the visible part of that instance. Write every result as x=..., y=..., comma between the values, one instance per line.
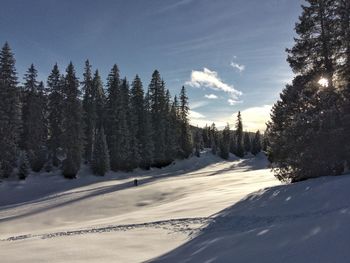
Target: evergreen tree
x=213, y=138
x=23, y=166
x=247, y=143
x=99, y=101
x=34, y=119
x=72, y=124
x=100, y=160
x=239, y=136
x=112, y=117
x=55, y=84
x=171, y=149
x=89, y=112
x=306, y=120
x=158, y=118
x=137, y=124
x=197, y=140
x=233, y=143
x=265, y=142
x=10, y=111
x=206, y=136
x=185, y=129
x=225, y=143
x=125, y=152
x=147, y=146
x=256, y=145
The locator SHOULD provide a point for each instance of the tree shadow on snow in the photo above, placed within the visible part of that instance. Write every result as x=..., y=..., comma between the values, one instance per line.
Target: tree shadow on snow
x=302, y=222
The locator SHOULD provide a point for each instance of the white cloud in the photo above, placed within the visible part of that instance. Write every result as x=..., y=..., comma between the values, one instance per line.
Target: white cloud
x=237, y=66
x=195, y=115
x=233, y=101
x=211, y=96
x=198, y=104
x=254, y=118
x=210, y=79
x=203, y=122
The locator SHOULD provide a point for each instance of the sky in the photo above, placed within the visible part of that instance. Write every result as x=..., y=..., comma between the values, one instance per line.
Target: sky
x=229, y=54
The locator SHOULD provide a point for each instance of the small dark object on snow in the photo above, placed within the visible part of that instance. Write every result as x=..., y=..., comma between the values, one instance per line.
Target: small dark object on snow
x=135, y=182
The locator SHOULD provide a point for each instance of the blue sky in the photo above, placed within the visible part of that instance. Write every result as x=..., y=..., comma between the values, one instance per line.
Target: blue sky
x=230, y=54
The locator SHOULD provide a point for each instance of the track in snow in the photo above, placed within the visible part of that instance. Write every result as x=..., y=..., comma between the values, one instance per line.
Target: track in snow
x=186, y=225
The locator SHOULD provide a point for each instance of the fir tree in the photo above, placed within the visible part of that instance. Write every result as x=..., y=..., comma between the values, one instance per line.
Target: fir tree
x=197, y=141
x=239, y=136
x=256, y=145
x=100, y=160
x=34, y=119
x=247, y=143
x=72, y=124
x=125, y=152
x=55, y=84
x=225, y=143
x=185, y=129
x=89, y=112
x=308, y=114
x=213, y=138
x=137, y=122
x=23, y=166
x=10, y=111
x=112, y=117
x=158, y=118
x=147, y=146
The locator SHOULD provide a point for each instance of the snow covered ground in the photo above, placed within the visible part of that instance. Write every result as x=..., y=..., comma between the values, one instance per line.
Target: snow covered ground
x=197, y=210
x=94, y=219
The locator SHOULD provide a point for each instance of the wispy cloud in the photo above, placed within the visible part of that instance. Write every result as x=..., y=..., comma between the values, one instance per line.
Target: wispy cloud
x=196, y=115
x=233, y=102
x=175, y=5
x=210, y=79
x=211, y=96
x=254, y=118
x=198, y=104
x=237, y=66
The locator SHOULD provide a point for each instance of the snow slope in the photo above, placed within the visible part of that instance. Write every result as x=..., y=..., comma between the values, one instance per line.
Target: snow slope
x=304, y=222
x=92, y=219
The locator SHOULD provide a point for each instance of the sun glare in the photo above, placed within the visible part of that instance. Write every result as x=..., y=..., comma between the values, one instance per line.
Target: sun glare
x=323, y=82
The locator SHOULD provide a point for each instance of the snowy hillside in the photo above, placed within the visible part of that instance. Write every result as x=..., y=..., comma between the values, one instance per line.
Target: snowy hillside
x=107, y=219
x=303, y=222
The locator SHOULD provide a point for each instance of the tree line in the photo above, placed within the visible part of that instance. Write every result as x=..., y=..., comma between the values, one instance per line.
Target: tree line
x=309, y=131
x=65, y=122
x=235, y=141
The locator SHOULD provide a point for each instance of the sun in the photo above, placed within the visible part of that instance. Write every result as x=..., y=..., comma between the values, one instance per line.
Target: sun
x=323, y=82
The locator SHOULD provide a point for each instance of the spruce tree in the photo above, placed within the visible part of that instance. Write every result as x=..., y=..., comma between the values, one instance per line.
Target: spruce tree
x=89, y=112
x=171, y=130
x=55, y=84
x=137, y=122
x=99, y=101
x=10, y=111
x=213, y=139
x=256, y=144
x=100, y=159
x=225, y=143
x=34, y=119
x=72, y=124
x=147, y=146
x=306, y=121
x=112, y=117
x=239, y=136
x=158, y=118
x=247, y=143
x=126, y=157
x=186, y=144
x=23, y=166
x=197, y=141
